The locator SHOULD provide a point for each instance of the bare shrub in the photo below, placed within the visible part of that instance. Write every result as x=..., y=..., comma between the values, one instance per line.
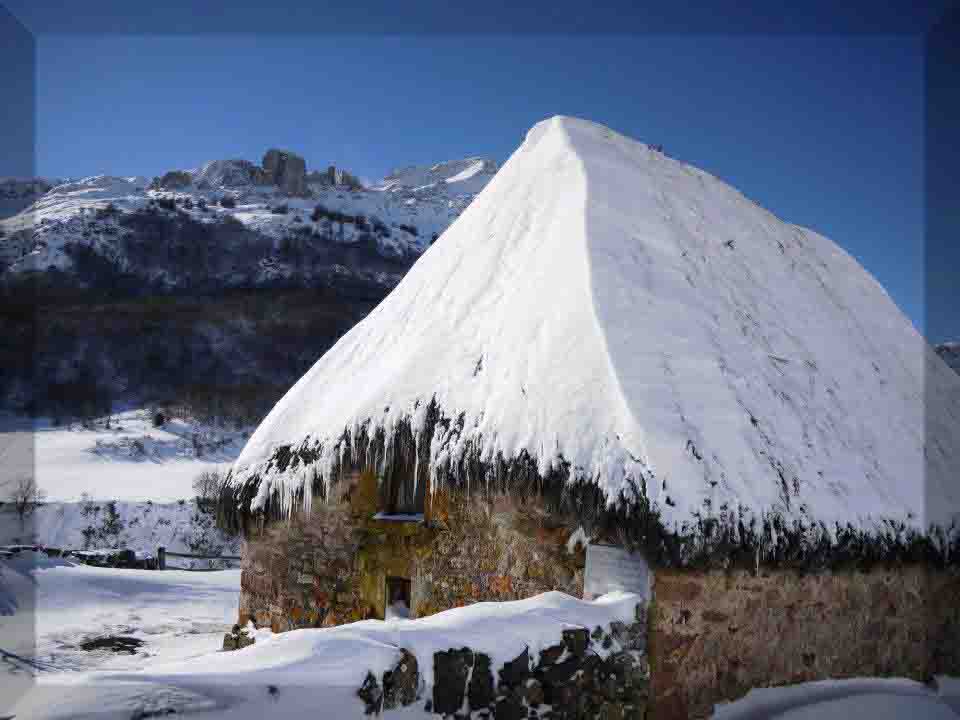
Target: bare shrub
x=26, y=496
x=207, y=485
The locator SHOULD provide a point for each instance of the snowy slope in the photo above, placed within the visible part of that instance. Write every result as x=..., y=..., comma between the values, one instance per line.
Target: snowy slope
x=467, y=176
x=634, y=316
x=141, y=526
x=130, y=460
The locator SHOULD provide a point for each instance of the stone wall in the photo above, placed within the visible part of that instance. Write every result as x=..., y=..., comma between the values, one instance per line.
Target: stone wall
x=599, y=673
x=714, y=635
x=331, y=567
x=493, y=549
x=303, y=572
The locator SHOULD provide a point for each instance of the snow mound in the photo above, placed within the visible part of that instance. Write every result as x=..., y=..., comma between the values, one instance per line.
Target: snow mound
x=602, y=305
x=879, y=698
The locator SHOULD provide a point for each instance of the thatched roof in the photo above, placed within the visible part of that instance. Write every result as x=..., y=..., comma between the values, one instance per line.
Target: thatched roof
x=605, y=315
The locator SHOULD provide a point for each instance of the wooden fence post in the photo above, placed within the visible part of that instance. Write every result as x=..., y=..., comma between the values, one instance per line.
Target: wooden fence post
x=161, y=558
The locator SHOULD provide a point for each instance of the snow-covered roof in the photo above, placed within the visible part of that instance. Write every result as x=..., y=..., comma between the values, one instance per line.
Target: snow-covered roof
x=603, y=305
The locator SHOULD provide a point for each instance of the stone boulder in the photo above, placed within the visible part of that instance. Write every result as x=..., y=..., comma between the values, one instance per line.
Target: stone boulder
x=237, y=639
x=399, y=687
x=287, y=170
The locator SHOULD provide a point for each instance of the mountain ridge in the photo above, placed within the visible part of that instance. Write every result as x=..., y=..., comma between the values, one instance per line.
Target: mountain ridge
x=396, y=219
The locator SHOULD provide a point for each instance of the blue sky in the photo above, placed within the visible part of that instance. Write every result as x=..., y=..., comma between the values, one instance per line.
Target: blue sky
x=824, y=130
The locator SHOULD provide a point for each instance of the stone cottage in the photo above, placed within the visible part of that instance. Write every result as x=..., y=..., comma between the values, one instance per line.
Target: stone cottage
x=614, y=370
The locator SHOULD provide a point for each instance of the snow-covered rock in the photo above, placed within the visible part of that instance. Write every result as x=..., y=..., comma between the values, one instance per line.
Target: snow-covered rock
x=603, y=305
x=469, y=175
x=225, y=174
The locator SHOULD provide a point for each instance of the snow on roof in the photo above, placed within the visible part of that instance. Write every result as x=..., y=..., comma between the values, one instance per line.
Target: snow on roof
x=604, y=305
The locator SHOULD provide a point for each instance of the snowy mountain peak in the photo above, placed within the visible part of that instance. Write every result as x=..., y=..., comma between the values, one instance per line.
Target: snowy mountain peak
x=602, y=307
x=462, y=176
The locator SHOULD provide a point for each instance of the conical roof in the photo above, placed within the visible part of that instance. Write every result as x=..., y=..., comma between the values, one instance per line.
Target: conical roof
x=603, y=305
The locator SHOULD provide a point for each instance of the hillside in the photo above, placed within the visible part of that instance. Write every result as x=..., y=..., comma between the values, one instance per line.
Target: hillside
x=298, y=225
x=623, y=317
x=233, y=278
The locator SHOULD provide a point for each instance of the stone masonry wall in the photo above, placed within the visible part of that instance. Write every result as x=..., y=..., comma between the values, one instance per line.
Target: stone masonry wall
x=493, y=549
x=331, y=567
x=714, y=635
x=599, y=673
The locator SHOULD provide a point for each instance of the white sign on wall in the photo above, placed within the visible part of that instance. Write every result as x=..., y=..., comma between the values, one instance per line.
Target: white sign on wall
x=612, y=568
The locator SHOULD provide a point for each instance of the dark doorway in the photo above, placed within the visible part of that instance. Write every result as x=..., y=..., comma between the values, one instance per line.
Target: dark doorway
x=398, y=598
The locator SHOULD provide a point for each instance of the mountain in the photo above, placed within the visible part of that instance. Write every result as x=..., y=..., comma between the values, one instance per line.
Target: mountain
x=604, y=309
x=255, y=225
x=468, y=176
x=950, y=353
x=212, y=287
x=19, y=193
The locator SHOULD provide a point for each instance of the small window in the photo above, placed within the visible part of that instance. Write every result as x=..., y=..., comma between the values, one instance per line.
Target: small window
x=398, y=598
x=406, y=496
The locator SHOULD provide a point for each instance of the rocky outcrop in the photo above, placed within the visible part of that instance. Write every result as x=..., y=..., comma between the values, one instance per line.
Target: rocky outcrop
x=286, y=170
x=335, y=176
x=229, y=173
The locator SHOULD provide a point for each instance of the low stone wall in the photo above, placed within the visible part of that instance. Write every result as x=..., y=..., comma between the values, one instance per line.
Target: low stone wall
x=601, y=673
x=714, y=635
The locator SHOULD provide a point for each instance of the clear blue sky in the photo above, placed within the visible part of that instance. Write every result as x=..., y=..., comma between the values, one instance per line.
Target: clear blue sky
x=824, y=130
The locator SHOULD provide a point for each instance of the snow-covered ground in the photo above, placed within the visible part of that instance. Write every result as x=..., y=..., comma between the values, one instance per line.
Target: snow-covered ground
x=180, y=618
x=129, y=460
x=873, y=698
x=121, y=482
x=180, y=527
x=57, y=606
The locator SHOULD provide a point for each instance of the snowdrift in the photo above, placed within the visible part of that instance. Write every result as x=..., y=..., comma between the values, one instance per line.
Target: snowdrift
x=330, y=664
x=605, y=309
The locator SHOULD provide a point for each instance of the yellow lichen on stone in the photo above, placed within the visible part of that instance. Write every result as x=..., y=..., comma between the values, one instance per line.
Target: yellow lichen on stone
x=365, y=495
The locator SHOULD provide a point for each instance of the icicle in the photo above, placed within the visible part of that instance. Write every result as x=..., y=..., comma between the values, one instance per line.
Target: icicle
x=416, y=463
